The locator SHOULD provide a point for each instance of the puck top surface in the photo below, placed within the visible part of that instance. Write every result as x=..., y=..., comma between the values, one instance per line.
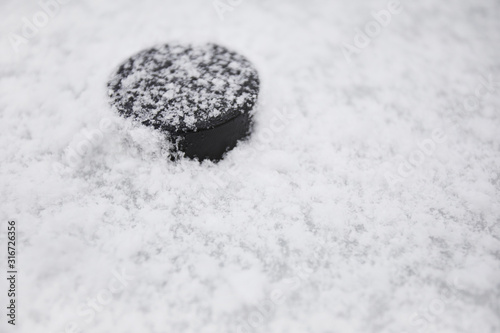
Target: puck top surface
x=184, y=88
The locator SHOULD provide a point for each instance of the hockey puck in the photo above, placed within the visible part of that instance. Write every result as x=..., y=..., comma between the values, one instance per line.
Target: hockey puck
x=201, y=96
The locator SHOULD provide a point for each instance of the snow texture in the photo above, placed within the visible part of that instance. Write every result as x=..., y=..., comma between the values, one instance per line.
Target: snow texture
x=366, y=200
x=181, y=88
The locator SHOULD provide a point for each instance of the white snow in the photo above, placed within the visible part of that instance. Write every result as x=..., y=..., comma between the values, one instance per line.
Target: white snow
x=337, y=215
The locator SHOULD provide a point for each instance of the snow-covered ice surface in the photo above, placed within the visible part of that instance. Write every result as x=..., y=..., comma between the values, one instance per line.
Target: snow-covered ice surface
x=367, y=199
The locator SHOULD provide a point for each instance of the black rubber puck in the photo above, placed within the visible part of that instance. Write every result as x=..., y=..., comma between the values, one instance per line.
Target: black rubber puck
x=201, y=96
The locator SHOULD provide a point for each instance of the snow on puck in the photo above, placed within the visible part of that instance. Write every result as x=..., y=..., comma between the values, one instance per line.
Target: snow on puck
x=200, y=95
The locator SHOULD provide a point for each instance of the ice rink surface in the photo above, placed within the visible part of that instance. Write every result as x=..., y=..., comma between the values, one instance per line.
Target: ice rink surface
x=366, y=200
